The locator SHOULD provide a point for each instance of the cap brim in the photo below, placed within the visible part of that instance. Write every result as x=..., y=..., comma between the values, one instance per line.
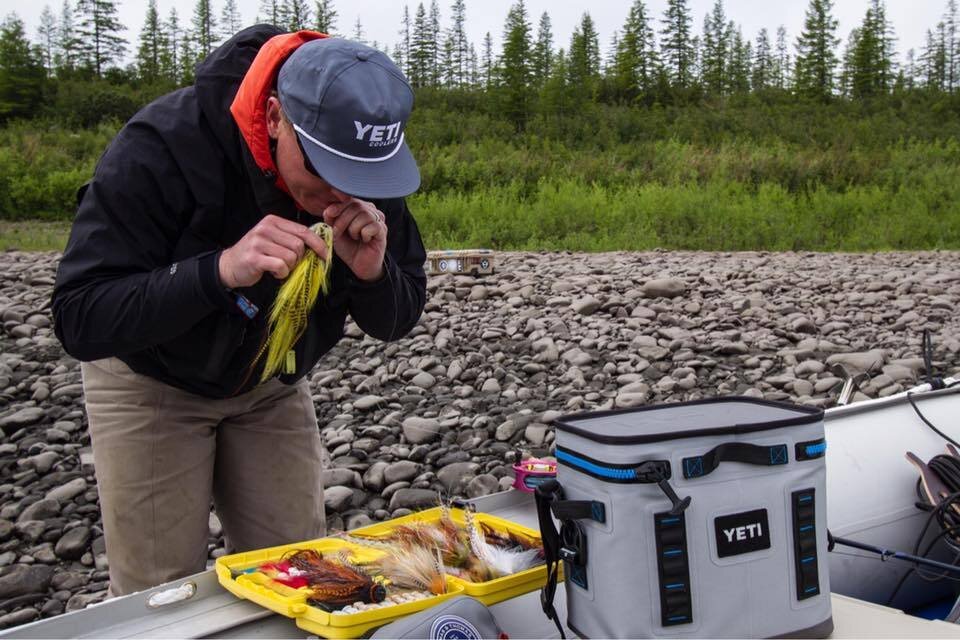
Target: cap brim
x=395, y=177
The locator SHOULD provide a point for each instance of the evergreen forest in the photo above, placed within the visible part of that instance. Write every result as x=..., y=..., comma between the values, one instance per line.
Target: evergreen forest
x=678, y=132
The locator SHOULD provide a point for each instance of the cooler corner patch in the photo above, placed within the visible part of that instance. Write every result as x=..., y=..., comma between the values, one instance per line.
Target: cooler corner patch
x=450, y=627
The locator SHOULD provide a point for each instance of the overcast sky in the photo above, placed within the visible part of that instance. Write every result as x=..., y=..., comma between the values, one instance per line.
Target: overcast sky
x=381, y=18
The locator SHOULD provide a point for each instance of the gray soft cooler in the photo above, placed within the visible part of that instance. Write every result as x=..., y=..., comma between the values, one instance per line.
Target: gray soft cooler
x=697, y=519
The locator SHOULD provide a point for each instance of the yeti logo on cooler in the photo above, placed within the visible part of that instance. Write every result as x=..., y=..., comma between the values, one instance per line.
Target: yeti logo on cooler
x=742, y=533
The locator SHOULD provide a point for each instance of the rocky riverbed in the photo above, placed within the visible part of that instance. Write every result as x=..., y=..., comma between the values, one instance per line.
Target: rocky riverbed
x=491, y=363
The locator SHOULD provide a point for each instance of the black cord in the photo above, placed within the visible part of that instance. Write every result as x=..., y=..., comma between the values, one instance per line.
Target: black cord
x=930, y=424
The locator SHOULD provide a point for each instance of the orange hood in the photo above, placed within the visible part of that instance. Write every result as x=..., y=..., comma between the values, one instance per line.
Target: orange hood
x=249, y=108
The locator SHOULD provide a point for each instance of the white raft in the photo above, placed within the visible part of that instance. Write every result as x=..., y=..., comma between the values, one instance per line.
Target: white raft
x=871, y=490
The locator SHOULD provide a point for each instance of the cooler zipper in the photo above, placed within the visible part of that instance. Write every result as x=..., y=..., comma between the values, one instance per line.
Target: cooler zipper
x=648, y=472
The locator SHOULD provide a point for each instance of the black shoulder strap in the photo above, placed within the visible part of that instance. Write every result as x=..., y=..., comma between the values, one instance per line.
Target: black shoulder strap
x=545, y=495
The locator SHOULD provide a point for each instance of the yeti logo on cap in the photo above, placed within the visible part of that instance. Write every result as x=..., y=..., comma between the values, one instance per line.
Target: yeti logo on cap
x=451, y=627
x=379, y=135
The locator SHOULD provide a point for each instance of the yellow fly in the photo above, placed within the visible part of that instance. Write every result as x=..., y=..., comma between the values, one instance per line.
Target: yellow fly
x=291, y=309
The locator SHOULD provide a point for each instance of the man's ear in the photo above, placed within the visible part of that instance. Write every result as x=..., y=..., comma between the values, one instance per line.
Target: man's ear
x=274, y=117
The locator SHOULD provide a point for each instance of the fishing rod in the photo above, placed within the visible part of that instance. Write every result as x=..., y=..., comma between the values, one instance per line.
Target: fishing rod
x=886, y=554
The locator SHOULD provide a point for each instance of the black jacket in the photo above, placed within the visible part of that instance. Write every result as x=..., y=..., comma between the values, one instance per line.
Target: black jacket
x=138, y=279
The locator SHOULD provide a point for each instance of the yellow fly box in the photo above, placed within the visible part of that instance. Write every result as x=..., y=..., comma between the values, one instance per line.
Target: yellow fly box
x=491, y=591
x=232, y=572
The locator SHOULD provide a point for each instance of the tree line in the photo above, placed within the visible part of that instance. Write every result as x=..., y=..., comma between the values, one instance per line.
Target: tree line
x=650, y=59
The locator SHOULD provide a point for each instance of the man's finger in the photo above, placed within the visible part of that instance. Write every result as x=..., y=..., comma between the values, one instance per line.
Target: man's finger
x=370, y=231
x=272, y=265
x=361, y=221
x=316, y=244
x=291, y=241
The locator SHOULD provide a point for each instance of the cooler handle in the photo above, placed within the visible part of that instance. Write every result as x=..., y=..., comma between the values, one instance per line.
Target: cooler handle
x=767, y=456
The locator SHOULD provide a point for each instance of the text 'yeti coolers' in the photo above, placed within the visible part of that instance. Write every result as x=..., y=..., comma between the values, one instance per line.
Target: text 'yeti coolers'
x=696, y=519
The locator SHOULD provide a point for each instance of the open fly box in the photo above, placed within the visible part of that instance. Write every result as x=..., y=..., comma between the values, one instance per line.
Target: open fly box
x=491, y=591
x=238, y=574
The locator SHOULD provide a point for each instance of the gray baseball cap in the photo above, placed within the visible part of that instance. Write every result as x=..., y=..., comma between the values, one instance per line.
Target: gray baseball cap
x=349, y=105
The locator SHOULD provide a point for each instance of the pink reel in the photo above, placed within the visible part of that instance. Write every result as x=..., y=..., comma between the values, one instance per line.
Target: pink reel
x=532, y=473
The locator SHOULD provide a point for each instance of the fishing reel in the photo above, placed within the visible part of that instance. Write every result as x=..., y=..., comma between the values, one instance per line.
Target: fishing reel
x=533, y=472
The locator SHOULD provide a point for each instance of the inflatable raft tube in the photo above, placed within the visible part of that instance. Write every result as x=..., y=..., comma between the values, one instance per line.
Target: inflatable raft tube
x=871, y=491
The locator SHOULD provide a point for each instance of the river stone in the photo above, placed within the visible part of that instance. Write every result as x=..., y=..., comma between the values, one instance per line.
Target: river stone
x=399, y=471
x=419, y=430
x=585, y=306
x=67, y=491
x=40, y=510
x=423, y=380
x=373, y=478
x=663, y=288
x=413, y=499
x=21, y=418
x=23, y=616
x=859, y=362
x=368, y=402
x=22, y=579
x=454, y=475
x=482, y=485
x=507, y=429
x=338, y=477
x=73, y=543
x=337, y=498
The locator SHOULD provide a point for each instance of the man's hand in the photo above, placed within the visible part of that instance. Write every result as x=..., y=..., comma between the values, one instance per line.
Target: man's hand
x=274, y=246
x=359, y=236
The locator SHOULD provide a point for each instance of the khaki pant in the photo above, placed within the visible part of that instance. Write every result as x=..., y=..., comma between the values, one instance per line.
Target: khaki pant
x=161, y=455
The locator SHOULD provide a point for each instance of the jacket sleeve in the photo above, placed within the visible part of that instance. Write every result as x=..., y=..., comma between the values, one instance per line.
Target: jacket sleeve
x=118, y=289
x=390, y=307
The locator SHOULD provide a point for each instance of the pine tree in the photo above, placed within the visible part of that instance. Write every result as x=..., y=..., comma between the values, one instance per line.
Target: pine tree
x=66, y=55
x=459, y=45
x=402, y=51
x=716, y=50
x=21, y=72
x=486, y=62
x=204, y=29
x=738, y=63
x=848, y=63
x=910, y=70
x=763, y=62
x=435, y=43
x=952, y=46
x=782, y=76
x=474, y=79
x=419, y=60
x=541, y=58
x=186, y=59
x=98, y=31
x=326, y=17
x=934, y=59
x=150, y=51
x=47, y=37
x=270, y=12
x=816, y=60
x=676, y=46
x=513, y=69
x=635, y=62
x=170, y=56
x=358, y=34
x=448, y=70
x=230, y=20
x=583, y=61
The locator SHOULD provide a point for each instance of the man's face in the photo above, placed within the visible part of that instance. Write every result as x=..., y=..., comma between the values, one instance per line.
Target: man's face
x=313, y=192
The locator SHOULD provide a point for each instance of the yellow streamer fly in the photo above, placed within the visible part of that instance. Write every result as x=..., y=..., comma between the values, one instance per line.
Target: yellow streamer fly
x=291, y=309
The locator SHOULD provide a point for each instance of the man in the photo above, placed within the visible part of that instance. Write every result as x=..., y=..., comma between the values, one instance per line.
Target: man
x=197, y=211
